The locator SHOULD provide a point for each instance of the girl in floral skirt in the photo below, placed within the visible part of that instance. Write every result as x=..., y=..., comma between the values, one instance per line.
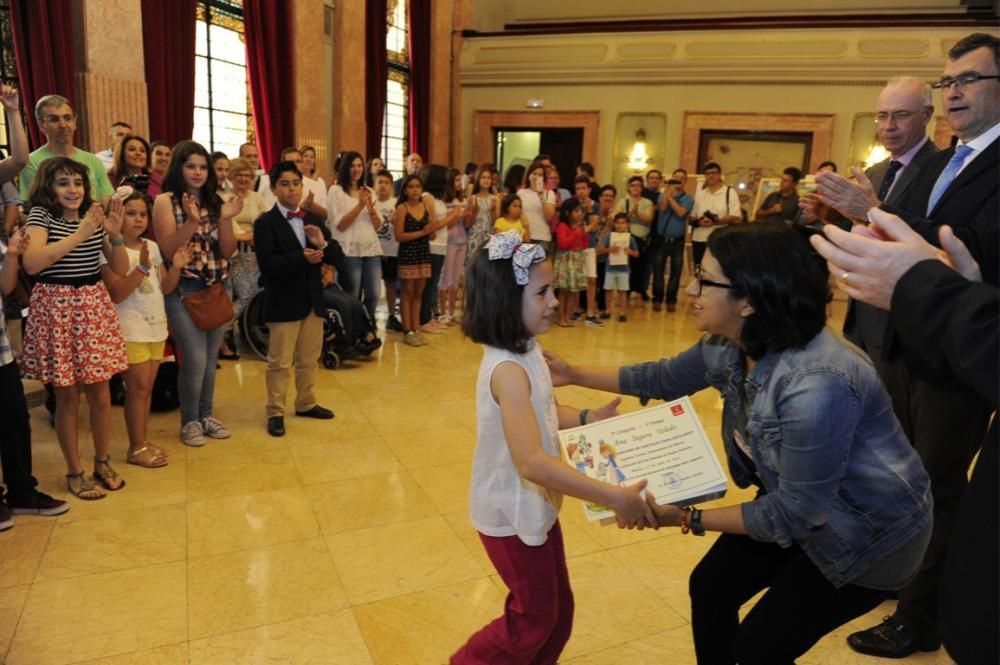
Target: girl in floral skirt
x=570, y=266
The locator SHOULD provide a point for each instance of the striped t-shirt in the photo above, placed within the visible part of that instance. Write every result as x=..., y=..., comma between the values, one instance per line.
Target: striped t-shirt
x=82, y=261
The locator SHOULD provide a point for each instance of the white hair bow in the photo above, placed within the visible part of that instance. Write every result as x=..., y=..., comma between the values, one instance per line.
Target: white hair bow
x=523, y=255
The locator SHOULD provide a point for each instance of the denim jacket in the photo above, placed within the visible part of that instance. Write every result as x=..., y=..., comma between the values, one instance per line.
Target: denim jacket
x=839, y=477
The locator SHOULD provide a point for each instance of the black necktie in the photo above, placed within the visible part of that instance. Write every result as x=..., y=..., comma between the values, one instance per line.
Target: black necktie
x=890, y=177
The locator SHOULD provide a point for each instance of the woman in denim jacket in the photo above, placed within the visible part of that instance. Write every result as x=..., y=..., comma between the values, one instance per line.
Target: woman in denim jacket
x=843, y=510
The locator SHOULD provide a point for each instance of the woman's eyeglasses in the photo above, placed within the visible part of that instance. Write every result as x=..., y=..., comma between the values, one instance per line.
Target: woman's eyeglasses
x=702, y=282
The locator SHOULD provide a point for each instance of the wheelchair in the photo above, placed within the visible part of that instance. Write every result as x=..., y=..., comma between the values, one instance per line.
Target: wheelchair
x=255, y=333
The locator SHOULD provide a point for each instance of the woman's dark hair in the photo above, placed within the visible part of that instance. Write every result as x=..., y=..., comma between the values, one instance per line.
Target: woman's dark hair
x=506, y=202
x=369, y=178
x=470, y=168
x=492, y=309
x=344, y=171
x=636, y=178
x=450, y=192
x=512, y=182
x=43, y=192
x=119, y=171
x=567, y=208
x=435, y=179
x=173, y=180
x=532, y=167
x=775, y=268
x=406, y=181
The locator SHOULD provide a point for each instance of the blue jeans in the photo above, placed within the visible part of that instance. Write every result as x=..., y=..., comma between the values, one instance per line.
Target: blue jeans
x=199, y=351
x=673, y=249
x=363, y=274
x=429, y=300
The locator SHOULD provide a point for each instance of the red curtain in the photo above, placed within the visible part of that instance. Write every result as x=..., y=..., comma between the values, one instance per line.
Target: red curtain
x=168, y=37
x=420, y=76
x=269, y=38
x=376, y=71
x=43, y=48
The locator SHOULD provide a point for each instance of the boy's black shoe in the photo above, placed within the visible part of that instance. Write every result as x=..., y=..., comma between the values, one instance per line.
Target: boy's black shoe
x=37, y=504
x=891, y=639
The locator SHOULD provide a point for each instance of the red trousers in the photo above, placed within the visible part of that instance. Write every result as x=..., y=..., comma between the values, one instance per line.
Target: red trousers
x=538, y=613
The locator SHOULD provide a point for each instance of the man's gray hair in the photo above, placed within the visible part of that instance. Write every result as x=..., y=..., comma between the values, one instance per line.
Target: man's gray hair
x=49, y=100
x=925, y=87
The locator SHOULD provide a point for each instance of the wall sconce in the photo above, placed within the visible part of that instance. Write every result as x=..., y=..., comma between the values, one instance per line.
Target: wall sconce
x=877, y=153
x=638, y=159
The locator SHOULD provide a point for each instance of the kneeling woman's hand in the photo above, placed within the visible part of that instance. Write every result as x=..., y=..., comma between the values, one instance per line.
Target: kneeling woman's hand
x=669, y=515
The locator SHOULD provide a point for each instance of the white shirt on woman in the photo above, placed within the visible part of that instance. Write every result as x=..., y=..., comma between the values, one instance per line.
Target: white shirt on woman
x=359, y=239
x=534, y=213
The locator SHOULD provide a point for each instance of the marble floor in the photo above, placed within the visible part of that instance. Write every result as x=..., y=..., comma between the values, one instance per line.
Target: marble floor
x=345, y=542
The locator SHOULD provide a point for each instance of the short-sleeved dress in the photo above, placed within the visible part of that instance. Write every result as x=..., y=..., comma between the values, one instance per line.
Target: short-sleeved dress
x=72, y=335
x=414, y=259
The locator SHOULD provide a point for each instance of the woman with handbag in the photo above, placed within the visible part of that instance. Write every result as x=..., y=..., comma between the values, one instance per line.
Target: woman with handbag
x=190, y=213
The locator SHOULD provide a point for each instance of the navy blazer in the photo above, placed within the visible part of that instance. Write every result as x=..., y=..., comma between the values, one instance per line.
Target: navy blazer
x=292, y=286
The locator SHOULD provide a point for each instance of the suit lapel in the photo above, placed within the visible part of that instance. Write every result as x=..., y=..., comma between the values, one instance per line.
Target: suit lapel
x=983, y=161
x=283, y=229
x=911, y=172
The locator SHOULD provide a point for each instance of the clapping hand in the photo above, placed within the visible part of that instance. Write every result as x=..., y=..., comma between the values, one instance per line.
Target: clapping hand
x=307, y=202
x=92, y=221
x=144, y=255
x=314, y=236
x=230, y=208
x=182, y=257
x=192, y=207
x=114, y=219
x=10, y=98
x=18, y=243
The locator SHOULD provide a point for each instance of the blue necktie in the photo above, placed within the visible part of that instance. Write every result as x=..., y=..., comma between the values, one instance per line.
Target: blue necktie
x=948, y=175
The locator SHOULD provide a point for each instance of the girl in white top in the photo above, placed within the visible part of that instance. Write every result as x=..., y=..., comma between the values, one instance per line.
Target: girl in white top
x=538, y=206
x=138, y=299
x=518, y=478
x=354, y=223
x=309, y=172
x=435, y=179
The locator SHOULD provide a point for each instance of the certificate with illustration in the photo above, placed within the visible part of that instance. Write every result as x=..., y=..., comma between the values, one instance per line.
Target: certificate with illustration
x=623, y=241
x=666, y=445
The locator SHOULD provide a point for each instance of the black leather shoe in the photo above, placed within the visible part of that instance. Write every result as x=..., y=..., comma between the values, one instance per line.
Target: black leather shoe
x=316, y=412
x=891, y=639
x=276, y=426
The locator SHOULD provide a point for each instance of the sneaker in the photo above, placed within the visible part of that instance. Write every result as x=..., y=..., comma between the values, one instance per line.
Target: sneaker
x=576, y=316
x=421, y=339
x=192, y=434
x=605, y=315
x=411, y=339
x=594, y=321
x=393, y=324
x=5, y=521
x=214, y=429
x=37, y=504
x=622, y=318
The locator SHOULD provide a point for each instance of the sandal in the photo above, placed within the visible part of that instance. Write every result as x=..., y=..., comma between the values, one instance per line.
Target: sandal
x=106, y=476
x=87, y=487
x=153, y=460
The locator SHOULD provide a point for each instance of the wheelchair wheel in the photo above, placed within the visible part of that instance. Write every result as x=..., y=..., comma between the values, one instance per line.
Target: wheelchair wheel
x=330, y=359
x=252, y=325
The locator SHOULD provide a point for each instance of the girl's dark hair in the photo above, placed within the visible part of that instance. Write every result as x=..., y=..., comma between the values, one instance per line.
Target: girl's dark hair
x=492, y=309
x=43, y=192
x=435, y=179
x=450, y=193
x=369, y=178
x=775, y=268
x=119, y=170
x=344, y=171
x=567, y=208
x=505, y=203
x=173, y=180
x=405, y=184
x=141, y=196
x=217, y=155
x=512, y=182
x=485, y=168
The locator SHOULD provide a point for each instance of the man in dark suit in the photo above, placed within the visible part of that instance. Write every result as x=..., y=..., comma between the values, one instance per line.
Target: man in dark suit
x=952, y=322
x=291, y=247
x=945, y=422
x=901, y=115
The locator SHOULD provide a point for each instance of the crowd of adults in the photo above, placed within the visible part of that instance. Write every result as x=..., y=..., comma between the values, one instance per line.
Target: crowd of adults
x=183, y=240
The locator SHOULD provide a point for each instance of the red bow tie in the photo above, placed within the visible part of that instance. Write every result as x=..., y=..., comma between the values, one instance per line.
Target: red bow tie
x=298, y=213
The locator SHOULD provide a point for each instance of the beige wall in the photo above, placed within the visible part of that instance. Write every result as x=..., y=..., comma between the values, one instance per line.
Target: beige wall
x=837, y=72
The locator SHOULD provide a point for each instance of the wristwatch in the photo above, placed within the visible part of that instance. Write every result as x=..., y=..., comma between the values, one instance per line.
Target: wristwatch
x=696, y=527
